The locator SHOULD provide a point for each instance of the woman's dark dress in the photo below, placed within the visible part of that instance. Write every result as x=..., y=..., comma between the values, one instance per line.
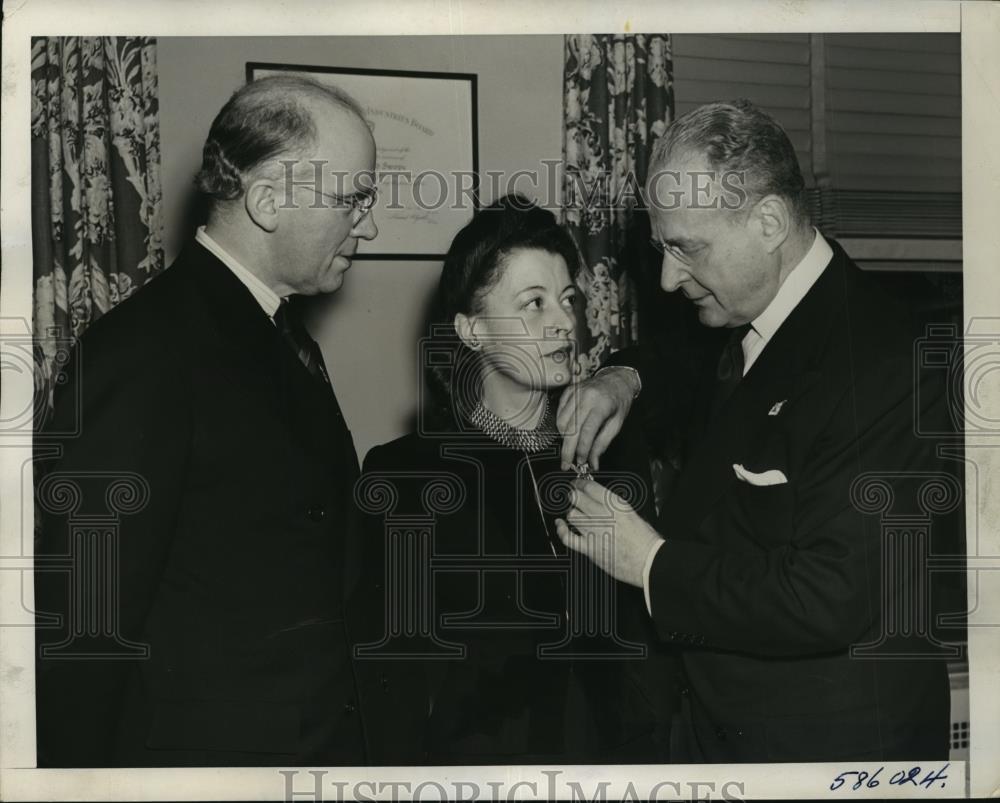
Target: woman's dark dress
x=530, y=688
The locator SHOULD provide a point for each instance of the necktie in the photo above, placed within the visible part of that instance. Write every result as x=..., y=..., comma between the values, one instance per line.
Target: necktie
x=305, y=348
x=729, y=371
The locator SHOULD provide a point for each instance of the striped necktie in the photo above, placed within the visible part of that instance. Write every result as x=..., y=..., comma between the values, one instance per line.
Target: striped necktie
x=306, y=349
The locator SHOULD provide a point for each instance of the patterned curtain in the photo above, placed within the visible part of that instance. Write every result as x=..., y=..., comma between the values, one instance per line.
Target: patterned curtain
x=95, y=185
x=618, y=99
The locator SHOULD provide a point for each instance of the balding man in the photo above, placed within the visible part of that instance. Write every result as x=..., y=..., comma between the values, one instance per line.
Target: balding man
x=768, y=568
x=205, y=390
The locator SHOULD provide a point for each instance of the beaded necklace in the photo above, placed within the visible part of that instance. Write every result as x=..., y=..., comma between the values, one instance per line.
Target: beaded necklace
x=527, y=440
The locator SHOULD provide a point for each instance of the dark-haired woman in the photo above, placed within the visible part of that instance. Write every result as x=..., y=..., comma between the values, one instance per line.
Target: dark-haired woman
x=479, y=639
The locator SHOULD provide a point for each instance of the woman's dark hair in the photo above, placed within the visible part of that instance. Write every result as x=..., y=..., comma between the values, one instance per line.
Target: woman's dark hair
x=472, y=268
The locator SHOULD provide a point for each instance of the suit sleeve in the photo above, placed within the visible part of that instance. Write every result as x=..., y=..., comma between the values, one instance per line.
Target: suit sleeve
x=627, y=459
x=820, y=590
x=134, y=425
x=668, y=373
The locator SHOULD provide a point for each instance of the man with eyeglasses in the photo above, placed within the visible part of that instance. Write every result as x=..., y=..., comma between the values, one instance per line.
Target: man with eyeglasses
x=225, y=640
x=804, y=616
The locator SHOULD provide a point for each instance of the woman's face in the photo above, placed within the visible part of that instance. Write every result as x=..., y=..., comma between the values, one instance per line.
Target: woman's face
x=526, y=322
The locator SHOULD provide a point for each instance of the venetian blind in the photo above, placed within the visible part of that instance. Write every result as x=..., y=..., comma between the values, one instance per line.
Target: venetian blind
x=772, y=70
x=875, y=119
x=893, y=116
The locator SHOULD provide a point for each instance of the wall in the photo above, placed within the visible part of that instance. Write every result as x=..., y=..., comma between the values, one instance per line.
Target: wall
x=369, y=329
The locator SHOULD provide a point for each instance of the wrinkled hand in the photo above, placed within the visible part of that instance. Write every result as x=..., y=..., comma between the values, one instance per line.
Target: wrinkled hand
x=611, y=533
x=591, y=413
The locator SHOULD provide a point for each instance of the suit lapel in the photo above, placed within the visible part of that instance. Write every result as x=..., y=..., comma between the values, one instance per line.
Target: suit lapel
x=782, y=367
x=308, y=407
x=242, y=322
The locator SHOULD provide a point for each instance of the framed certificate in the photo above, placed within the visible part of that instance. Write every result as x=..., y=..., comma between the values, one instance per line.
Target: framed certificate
x=426, y=132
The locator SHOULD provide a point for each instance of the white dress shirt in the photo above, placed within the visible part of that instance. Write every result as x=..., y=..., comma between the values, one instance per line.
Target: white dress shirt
x=266, y=297
x=802, y=277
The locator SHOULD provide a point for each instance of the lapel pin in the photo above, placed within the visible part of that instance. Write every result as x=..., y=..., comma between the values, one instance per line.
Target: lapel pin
x=777, y=407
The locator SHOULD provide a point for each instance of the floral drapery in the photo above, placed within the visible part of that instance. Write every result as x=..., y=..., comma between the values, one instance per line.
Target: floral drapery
x=618, y=98
x=95, y=184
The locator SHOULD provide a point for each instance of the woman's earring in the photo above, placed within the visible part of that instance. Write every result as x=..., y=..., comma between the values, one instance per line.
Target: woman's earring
x=474, y=344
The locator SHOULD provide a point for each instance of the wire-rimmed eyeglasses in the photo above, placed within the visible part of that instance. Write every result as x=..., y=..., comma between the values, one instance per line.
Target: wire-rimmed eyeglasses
x=360, y=203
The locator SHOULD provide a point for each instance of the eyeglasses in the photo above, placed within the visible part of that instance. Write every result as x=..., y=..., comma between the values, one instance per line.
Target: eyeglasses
x=360, y=203
x=666, y=248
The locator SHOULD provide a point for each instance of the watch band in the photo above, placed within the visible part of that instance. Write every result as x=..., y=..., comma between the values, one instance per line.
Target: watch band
x=633, y=371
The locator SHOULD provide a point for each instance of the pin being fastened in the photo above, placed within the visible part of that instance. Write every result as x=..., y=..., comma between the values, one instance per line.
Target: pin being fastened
x=583, y=471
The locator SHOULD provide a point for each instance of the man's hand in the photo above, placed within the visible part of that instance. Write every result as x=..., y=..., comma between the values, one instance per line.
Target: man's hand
x=591, y=413
x=611, y=533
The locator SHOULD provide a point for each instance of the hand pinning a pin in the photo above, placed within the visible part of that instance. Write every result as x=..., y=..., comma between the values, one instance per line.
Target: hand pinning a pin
x=603, y=527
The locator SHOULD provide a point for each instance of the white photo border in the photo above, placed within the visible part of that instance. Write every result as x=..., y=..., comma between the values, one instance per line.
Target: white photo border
x=979, y=24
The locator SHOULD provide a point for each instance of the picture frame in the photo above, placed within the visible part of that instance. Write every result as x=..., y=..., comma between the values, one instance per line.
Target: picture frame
x=425, y=126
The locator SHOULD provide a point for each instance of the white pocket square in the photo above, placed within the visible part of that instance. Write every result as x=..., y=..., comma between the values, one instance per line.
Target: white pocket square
x=772, y=477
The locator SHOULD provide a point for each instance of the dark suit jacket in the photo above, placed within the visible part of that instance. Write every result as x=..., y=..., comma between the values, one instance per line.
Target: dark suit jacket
x=231, y=571
x=766, y=588
x=499, y=702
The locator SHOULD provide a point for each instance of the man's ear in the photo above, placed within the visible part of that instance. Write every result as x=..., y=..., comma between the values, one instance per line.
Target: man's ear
x=465, y=327
x=774, y=221
x=261, y=203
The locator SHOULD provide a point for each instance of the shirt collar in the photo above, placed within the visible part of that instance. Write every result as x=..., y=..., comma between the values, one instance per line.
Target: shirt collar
x=794, y=288
x=265, y=296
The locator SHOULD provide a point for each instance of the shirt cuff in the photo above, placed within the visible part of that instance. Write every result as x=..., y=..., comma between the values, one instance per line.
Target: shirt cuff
x=647, y=569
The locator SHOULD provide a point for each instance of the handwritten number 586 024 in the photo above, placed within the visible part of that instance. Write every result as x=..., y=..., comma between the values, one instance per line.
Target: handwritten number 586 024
x=899, y=778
